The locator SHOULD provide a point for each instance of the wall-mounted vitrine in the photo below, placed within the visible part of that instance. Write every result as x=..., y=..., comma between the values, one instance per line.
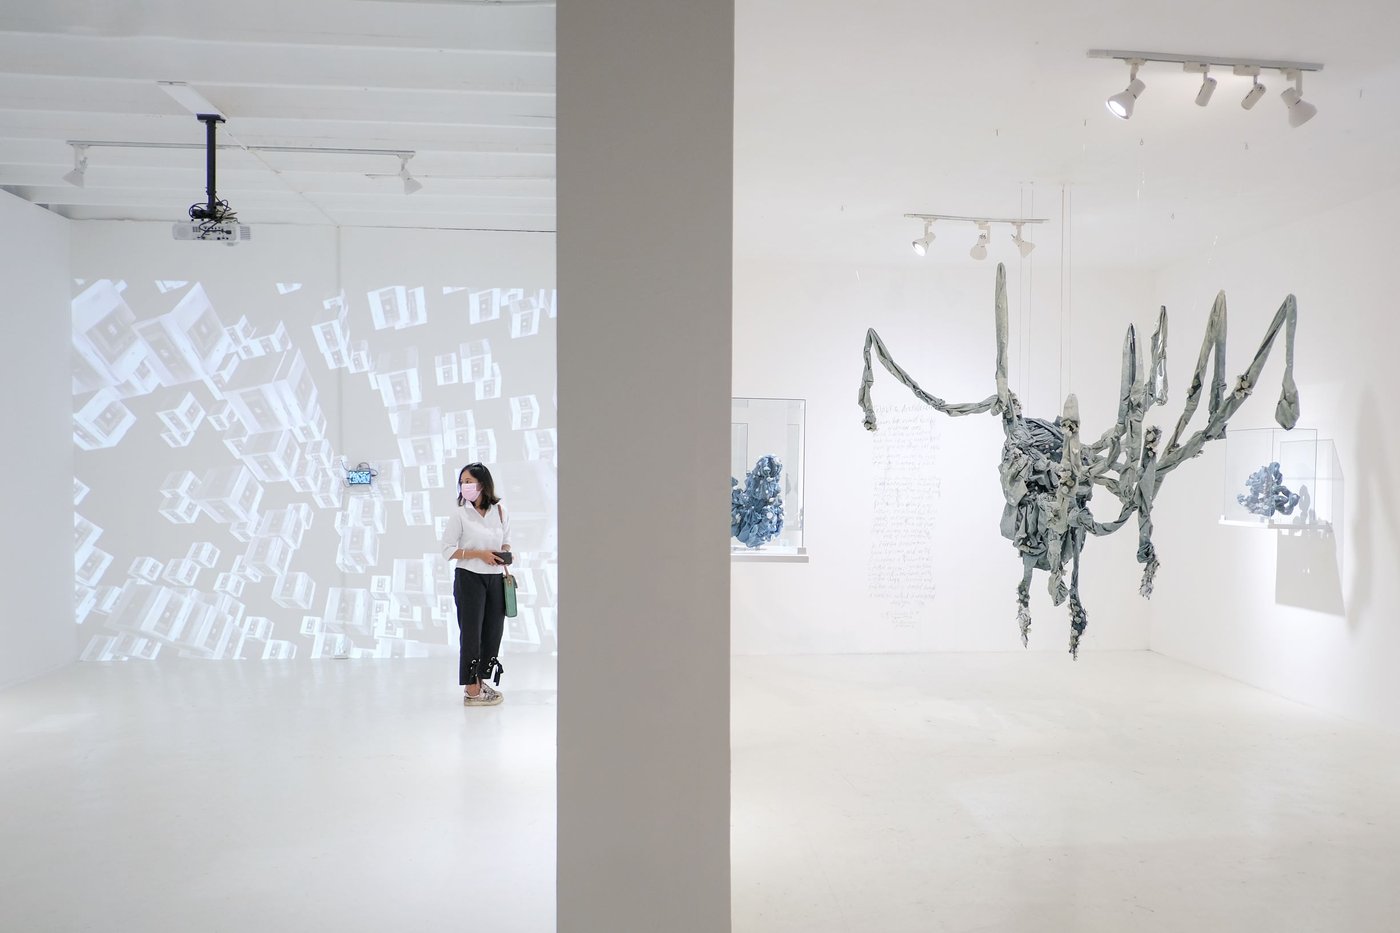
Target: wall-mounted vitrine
x=1281, y=479
x=767, y=444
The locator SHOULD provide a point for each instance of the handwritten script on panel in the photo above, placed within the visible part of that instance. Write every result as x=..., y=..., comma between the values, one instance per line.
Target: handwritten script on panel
x=904, y=454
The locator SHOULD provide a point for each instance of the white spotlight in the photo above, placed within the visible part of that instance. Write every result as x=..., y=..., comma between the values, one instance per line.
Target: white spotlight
x=1121, y=104
x=78, y=177
x=1023, y=244
x=410, y=184
x=1207, y=82
x=1256, y=90
x=1299, y=110
x=979, y=249
x=1207, y=89
x=921, y=244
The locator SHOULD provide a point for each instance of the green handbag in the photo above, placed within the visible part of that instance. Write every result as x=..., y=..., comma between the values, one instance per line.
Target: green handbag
x=510, y=594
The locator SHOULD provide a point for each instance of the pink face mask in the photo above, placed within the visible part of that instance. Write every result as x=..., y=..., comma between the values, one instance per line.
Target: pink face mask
x=470, y=491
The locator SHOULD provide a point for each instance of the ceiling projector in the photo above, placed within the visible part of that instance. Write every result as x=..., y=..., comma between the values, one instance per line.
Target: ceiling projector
x=211, y=221
x=227, y=231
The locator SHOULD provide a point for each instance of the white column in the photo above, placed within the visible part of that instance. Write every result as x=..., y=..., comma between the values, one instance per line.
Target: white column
x=645, y=93
x=37, y=633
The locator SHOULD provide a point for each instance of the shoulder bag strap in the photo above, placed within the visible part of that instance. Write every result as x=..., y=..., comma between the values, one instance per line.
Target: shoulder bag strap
x=505, y=568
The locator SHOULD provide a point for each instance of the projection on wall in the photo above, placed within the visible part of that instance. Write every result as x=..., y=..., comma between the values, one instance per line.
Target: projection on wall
x=213, y=517
x=1048, y=475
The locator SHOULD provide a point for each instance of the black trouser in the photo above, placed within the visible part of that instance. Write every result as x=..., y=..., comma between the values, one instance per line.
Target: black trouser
x=481, y=621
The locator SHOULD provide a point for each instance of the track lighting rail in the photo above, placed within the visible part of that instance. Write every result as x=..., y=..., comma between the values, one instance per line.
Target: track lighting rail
x=984, y=232
x=979, y=220
x=116, y=144
x=1212, y=60
x=1122, y=104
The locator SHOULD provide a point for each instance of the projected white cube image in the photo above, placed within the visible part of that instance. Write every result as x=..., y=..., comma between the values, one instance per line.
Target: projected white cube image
x=294, y=591
x=189, y=343
x=420, y=437
x=273, y=391
x=146, y=568
x=397, y=307
x=433, y=476
x=397, y=377
x=181, y=573
x=458, y=430
x=92, y=565
x=485, y=306
x=183, y=421
x=447, y=366
x=289, y=524
x=476, y=360
x=359, y=549
x=367, y=511
x=204, y=553
x=524, y=412
x=525, y=319
x=269, y=555
x=490, y=386
x=102, y=421
x=417, y=509
x=106, y=347
x=230, y=494
x=347, y=610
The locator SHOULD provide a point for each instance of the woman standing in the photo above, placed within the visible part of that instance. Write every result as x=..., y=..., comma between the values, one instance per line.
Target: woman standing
x=477, y=533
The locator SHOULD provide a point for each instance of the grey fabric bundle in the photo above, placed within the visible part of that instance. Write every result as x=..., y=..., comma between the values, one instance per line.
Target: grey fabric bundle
x=1048, y=473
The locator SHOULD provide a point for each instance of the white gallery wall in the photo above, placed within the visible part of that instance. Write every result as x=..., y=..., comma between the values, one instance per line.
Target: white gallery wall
x=1309, y=616
x=1313, y=617
x=36, y=548
x=219, y=393
x=928, y=571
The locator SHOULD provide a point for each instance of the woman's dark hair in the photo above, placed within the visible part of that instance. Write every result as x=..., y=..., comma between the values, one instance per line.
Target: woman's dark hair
x=482, y=475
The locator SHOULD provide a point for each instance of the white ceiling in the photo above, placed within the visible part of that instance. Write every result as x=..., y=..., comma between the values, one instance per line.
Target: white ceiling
x=468, y=87
x=850, y=114
x=847, y=115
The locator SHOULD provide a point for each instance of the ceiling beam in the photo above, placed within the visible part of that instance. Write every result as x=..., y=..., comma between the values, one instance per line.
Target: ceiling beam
x=235, y=64
x=58, y=155
x=522, y=30
x=54, y=126
x=189, y=180
x=365, y=105
x=248, y=203
x=308, y=216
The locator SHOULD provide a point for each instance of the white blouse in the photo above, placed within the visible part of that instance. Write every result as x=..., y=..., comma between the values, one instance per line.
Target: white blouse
x=468, y=530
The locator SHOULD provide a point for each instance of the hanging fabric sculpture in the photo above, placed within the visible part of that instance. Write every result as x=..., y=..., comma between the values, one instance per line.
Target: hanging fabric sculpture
x=756, y=508
x=1266, y=493
x=1048, y=474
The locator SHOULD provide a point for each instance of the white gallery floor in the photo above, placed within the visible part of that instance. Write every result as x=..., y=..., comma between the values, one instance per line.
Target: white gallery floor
x=342, y=796
x=993, y=792
x=1029, y=793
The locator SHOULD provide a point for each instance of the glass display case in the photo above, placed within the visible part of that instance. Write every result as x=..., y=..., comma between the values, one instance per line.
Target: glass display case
x=767, y=446
x=1281, y=479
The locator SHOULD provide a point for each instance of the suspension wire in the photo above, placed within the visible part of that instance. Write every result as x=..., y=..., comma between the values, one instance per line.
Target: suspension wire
x=1030, y=289
x=1023, y=338
x=1066, y=374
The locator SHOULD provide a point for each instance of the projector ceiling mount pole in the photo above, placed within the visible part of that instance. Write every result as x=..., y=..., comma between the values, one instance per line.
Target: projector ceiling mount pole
x=211, y=148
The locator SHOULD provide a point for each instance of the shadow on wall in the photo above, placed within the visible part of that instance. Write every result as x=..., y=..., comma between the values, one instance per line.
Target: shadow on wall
x=1376, y=498
x=1307, y=574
